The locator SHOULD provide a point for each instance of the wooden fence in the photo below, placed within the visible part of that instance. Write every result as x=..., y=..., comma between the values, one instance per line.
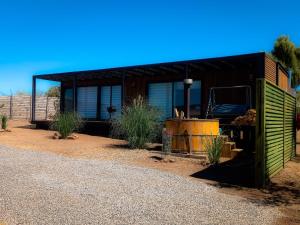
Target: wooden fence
x=275, y=130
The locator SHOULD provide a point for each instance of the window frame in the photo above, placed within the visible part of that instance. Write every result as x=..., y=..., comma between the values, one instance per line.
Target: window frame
x=173, y=82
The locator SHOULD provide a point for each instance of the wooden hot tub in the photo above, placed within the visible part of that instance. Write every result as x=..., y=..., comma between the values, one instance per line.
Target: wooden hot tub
x=189, y=134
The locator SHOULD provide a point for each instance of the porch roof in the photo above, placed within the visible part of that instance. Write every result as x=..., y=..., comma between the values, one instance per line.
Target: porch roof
x=178, y=67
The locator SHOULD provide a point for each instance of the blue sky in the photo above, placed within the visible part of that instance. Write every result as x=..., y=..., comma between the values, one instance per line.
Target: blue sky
x=43, y=36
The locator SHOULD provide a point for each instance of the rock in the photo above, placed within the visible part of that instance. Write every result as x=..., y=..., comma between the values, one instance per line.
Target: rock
x=73, y=137
x=172, y=160
x=55, y=137
x=8, y=130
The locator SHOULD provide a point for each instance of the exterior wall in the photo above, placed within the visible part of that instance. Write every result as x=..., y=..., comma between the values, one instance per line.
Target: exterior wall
x=283, y=81
x=270, y=70
x=275, y=130
x=19, y=107
x=240, y=74
x=276, y=74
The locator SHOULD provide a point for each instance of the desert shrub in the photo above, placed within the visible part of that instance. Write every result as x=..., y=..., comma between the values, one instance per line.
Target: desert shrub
x=4, y=120
x=66, y=123
x=213, y=145
x=139, y=124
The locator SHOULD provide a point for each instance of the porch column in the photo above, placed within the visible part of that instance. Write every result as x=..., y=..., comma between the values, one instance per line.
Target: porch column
x=123, y=90
x=187, y=98
x=33, y=97
x=74, y=94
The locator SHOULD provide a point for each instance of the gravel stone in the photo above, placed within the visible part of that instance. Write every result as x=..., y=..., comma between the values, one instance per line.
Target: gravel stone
x=44, y=188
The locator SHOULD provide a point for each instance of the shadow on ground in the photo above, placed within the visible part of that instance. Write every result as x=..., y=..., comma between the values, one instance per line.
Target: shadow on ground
x=237, y=172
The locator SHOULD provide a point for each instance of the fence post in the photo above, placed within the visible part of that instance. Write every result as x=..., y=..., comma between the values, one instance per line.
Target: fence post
x=283, y=149
x=10, y=106
x=260, y=177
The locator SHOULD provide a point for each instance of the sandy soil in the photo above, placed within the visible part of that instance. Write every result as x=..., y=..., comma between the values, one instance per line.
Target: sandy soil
x=95, y=147
x=283, y=192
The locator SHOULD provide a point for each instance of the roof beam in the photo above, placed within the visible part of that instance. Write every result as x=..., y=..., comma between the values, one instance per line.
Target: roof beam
x=228, y=64
x=172, y=70
x=212, y=65
x=195, y=66
x=144, y=71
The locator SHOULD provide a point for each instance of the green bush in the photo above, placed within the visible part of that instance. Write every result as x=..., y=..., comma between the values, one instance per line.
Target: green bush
x=4, y=120
x=213, y=146
x=139, y=124
x=66, y=123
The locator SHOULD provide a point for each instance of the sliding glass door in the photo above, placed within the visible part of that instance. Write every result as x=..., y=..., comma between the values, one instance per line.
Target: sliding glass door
x=170, y=95
x=111, y=102
x=87, y=102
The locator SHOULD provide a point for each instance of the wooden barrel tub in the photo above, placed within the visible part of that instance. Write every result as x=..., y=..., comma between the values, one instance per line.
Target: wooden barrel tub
x=188, y=135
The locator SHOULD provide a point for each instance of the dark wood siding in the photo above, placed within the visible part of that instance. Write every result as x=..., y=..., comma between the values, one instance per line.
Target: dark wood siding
x=270, y=69
x=231, y=75
x=283, y=81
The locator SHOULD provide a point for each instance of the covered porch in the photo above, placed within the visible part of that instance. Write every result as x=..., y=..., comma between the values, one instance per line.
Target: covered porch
x=99, y=95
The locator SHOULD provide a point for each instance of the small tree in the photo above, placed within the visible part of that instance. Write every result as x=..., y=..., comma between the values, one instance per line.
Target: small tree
x=53, y=92
x=287, y=54
x=66, y=123
x=4, y=120
x=139, y=124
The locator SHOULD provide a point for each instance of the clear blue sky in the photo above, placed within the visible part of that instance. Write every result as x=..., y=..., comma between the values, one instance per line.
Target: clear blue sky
x=43, y=36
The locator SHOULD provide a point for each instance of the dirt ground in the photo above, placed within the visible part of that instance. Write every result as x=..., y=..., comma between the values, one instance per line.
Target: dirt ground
x=283, y=192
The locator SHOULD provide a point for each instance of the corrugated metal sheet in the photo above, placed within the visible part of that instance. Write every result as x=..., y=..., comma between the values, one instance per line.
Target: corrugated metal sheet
x=87, y=102
x=279, y=128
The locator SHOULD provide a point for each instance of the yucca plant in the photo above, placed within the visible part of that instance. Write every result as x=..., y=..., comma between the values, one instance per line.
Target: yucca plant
x=66, y=123
x=139, y=124
x=4, y=120
x=213, y=145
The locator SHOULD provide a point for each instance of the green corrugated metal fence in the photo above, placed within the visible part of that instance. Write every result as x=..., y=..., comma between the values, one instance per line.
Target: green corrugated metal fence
x=275, y=130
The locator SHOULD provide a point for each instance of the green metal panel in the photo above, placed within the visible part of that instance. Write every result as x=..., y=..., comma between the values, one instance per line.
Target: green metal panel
x=275, y=130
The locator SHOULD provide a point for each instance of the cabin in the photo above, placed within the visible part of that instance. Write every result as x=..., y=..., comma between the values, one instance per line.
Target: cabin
x=99, y=95
x=221, y=88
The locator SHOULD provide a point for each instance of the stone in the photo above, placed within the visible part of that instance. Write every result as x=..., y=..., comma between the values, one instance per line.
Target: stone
x=55, y=137
x=73, y=137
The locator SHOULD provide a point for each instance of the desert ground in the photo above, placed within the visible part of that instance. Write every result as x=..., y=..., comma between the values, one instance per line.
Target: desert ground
x=23, y=142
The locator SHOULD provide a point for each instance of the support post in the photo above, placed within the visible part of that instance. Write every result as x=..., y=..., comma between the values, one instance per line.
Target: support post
x=33, y=98
x=62, y=99
x=187, y=97
x=260, y=176
x=123, y=90
x=74, y=94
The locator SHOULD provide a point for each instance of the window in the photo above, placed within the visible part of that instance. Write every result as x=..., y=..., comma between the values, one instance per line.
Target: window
x=111, y=102
x=160, y=96
x=87, y=102
x=68, y=107
x=165, y=96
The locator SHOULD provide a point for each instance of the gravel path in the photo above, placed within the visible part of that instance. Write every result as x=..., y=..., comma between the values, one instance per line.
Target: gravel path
x=43, y=188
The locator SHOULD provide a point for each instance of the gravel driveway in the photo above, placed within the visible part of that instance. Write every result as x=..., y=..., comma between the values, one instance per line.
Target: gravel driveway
x=43, y=188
